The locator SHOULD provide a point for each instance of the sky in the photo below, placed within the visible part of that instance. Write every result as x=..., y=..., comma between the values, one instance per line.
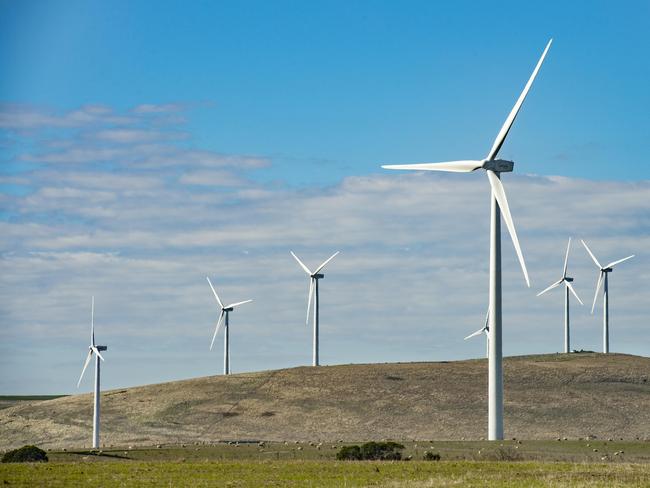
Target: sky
x=147, y=145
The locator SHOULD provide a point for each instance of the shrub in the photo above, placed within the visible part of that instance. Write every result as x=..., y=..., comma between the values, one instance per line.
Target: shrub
x=503, y=454
x=381, y=451
x=26, y=454
x=431, y=456
x=349, y=453
x=371, y=451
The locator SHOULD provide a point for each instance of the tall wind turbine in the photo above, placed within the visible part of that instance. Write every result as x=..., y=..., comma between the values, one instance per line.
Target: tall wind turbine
x=225, y=312
x=499, y=204
x=93, y=348
x=567, y=286
x=603, y=271
x=483, y=330
x=313, y=292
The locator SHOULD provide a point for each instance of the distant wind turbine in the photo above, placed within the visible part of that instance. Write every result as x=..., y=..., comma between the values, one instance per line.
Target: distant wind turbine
x=93, y=348
x=313, y=292
x=567, y=286
x=603, y=271
x=483, y=330
x=493, y=168
x=225, y=311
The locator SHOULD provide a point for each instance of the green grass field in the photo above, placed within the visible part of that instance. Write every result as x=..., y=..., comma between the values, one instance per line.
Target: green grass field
x=464, y=463
x=322, y=473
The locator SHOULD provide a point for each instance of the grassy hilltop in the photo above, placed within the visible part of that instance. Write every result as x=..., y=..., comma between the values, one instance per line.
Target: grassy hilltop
x=546, y=397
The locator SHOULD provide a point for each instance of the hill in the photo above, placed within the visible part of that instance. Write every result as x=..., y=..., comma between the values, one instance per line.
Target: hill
x=546, y=397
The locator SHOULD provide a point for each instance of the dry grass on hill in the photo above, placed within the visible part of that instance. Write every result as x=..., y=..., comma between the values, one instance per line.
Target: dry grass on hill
x=546, y=396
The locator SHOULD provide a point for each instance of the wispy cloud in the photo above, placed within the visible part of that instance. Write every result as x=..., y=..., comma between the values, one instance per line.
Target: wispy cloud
x=24, y=117
x=131, y=136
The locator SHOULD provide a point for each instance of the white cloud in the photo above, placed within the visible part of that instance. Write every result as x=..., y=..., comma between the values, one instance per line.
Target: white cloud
x=211, y=178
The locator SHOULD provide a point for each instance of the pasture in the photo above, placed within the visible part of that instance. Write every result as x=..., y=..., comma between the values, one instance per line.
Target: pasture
x=471, y=463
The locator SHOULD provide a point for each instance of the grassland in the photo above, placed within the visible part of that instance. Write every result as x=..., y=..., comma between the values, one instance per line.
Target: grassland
x=310, y=465
x=319, y=474
x=546, y=397
x=585, y=451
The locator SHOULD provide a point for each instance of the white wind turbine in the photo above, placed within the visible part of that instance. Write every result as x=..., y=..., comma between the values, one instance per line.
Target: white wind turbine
x=483, y=330
x=603, y=271
x=313, y=292
x=94, y=349
x=567, y=286
x=225, y=311
x=493, y=168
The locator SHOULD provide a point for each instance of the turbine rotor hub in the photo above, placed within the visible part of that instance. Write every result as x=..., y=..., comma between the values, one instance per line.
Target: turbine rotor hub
x=499, y=165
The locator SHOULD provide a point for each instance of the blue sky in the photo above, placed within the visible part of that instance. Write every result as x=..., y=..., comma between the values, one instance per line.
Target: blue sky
x=328, y=89
x=146, y=144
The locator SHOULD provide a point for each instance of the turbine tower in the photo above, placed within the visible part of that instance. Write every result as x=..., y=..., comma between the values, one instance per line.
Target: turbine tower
x=94, y=349
x=603, y=271
x=567, y=286
x=225, y=312
x=313, y=292
x=498, y=204
x=483, y=330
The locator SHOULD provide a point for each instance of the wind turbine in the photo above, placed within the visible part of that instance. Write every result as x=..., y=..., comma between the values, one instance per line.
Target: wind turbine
x=225, y=312
x=483, y=330
x=313, y=292
x=493, y=167
x=567, y=286
x=602, y=276
x=94, y=349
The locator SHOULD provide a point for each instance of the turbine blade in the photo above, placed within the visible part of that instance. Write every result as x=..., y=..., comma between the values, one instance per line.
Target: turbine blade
x=611, y=265
x=452, y=166
x=566, y=258
x=92, y=321
x=237, y=304
x=474, y=334
x=573, y=291
x=598, y=283
x=326, y=261
x=216, y=329
x=96, y=351
x=90, y=353
x=500, y=194
x=591, y=253
x=215, y=292
x=554, y=285
x=311, y=293
x=503, y=133
x=302, y=265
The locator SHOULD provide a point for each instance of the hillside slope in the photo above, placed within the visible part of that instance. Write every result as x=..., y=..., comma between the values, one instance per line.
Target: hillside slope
x=546, y=397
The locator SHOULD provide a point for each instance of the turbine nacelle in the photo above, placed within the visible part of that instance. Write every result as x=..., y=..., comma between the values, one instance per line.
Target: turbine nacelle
x=318, y=276
x=566, y=278
x=498, y=165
